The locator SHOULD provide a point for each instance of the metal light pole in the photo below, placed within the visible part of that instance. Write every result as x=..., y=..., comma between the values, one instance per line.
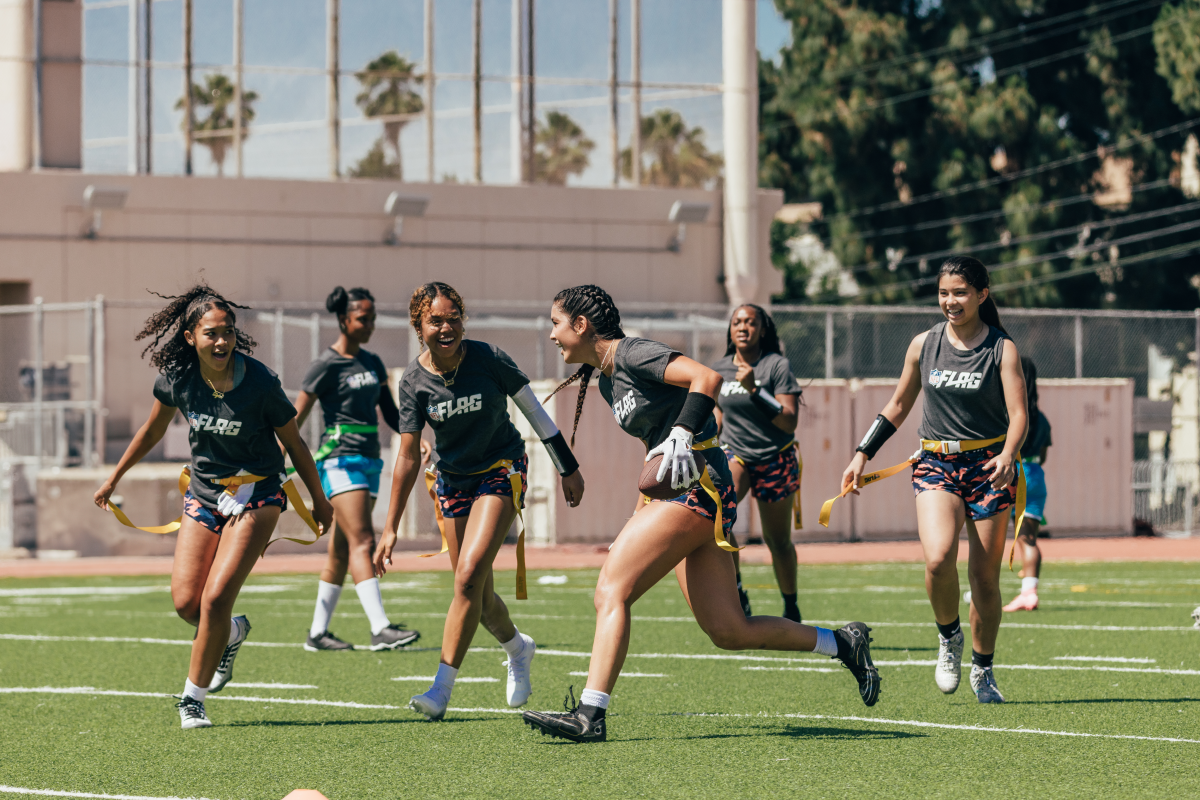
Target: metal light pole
x=238, y=50
x=635, y=98
x=188, y=118
x=477, y=84
x=429, y=87
x=740, y=112
x=148, y=86
x=332, y=109
x=612, y=91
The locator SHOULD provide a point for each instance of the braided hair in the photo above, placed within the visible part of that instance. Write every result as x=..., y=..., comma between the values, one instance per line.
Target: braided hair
x=768, y=338
x=423, y=298
x=976, y=275
x=593, y=304
x=339, y=299
x=183, y=313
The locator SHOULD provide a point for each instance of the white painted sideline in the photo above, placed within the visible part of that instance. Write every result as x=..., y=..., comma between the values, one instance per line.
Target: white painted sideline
x=57, y=793
x=629, y=674
x=1117, y=659
x=271, y=686
x=456, y=680
x=1001, y=666
x=87, y=690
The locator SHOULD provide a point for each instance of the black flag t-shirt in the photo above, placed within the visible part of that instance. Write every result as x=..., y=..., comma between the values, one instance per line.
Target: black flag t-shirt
x=646, y=406
x=348, y=389
x=469, y=419
x=747, y=430
x=234, y=432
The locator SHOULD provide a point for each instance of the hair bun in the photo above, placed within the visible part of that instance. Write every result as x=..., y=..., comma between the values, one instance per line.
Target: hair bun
x=337, y=301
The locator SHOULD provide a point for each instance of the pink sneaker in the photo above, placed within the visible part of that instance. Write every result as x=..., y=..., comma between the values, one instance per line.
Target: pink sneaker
x=1025, y=601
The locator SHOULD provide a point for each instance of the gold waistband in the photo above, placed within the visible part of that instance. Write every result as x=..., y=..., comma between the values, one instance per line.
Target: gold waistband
x=964, y=446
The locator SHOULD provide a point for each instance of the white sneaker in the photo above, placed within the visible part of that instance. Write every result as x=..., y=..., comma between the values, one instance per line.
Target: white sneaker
x=432, y=704
x=948, y=671
x=519, y=688
x=984, y=684
x=1196, y=616
x=224, y=673
x=191, y=713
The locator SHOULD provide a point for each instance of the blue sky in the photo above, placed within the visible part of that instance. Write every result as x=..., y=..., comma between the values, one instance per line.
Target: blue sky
x=681, y=44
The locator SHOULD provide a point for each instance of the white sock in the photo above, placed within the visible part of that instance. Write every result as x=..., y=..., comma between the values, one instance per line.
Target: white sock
x=826, y=643
x=192, y=690
x=1029, y=585
x=591, y=697
x=235, y=631
x=515, y=645
x=328, y=595
x=372, y=603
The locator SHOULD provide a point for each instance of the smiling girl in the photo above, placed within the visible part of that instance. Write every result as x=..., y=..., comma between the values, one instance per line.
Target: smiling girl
x=461, y=388
x=971, y=431
x=235, y=408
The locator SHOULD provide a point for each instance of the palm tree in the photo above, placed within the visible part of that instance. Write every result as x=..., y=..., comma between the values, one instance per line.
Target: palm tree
x=216, y=95
x=562, y=149
x=387, y=94
x=678, y=155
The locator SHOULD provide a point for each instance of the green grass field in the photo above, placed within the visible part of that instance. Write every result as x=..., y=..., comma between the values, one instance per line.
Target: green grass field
x=692, y=722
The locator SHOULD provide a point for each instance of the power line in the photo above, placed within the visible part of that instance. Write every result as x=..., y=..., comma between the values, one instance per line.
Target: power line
x=1032, y=237
x=1173, y=250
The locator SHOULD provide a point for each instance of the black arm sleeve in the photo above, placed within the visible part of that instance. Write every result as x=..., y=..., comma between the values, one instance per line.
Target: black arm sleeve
x=387, y=408
x=880, y=431
x=695, y=412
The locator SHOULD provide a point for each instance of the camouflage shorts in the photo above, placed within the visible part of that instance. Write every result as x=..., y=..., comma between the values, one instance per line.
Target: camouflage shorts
x=698, y=500
x=215, y=521
x=773, y=480
x=459, y=493
x=963, y=475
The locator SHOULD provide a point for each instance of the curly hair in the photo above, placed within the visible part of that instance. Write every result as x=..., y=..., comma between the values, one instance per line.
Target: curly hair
x=183, y=313
x=339, y=300
x=594, y=304
x=768, y=338
x=423, y=298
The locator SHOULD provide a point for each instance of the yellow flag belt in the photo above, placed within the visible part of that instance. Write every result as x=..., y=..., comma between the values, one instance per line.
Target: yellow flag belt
x=711, y=490
x=945, y=447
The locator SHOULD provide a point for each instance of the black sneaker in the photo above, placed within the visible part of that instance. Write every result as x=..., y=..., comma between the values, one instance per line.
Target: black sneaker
x=224, y=673
x=854, y=651
x=576, y=725
x=792, y=612
x=393, y=637
x=325, y=641
x=744, y=599
x=191, y=713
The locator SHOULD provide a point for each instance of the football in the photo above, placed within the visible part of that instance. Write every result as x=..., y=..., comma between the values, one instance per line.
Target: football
x=650, y=486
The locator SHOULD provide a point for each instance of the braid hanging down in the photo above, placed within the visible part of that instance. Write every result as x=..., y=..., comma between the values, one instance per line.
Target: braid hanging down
x=597, y=307
x=182, y=314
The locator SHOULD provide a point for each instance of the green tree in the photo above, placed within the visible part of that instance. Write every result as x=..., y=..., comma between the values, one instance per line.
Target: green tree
x=563, y=149
x=214, y=102
x=375, y=164
x=677, y=154
x=387, y=94
x=889, y=112
x=1177, y=42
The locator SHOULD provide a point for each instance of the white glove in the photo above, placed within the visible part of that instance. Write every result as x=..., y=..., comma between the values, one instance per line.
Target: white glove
x=233, y=504
x=676, y=451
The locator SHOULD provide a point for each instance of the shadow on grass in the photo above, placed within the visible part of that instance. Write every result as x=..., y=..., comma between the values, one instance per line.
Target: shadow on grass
x=811, y=732
x=287, y=723
x=875, y=647
x=1086, y=701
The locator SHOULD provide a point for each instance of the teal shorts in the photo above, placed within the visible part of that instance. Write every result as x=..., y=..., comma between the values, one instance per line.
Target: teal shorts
x=350, y=473
x=1035, y=492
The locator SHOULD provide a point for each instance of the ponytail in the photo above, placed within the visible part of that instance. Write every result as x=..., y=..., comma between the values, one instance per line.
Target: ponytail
x=976, y=275
x=597, y=307
x=339, y=300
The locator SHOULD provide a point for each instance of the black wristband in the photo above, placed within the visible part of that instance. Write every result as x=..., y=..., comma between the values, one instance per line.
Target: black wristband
x=772, y=407
x=697, y=408
x=561, y=455
x=880, y=431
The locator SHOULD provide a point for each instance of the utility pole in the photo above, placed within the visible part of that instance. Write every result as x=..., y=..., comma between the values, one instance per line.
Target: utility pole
x=134, y=125
x=189, y=120
x=238, y=49
x=531, y=107
x=429, y=88
x=612, y=91
x=333, y=110
x=477, y=84
x=635, y=140
x=148, y=87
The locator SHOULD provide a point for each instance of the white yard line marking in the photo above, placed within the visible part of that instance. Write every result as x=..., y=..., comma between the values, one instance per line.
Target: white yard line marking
x=456, y=680
x=272, y=686
x=944, y=726
x=58, y=793
x=68, y=591
x=1116, y=659
x=127, y=639
x=1106, y=628
x=626, y=674
x=999, y=666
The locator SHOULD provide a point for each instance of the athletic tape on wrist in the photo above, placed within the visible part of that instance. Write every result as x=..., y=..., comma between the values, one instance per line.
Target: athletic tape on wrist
x=695, y=412
x=880, y=431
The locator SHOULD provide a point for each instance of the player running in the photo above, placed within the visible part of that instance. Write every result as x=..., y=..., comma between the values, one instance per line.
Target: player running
x=972, y=426
x=460, y=388
x=667, y=401
x=235, y=408
x=351, y=383
x=1033, y=459
x=756, y=417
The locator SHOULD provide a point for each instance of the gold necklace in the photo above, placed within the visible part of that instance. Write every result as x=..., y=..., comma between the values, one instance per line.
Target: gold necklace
x=462, y=353
x=611, y=347
x=216, y=393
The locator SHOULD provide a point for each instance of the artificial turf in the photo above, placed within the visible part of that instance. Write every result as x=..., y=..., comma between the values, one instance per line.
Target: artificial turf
x=688, y=728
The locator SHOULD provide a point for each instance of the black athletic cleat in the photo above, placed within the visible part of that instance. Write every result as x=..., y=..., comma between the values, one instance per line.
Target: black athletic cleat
x=854, y=651
x=393, y=637
x=576, y=725
x=224, y=673
x=792, y=612
x=326, y=641
x=744, y=599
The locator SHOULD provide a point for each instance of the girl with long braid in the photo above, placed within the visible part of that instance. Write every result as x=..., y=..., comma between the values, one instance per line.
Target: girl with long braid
x=460, y=388
x=667, y=401
x=235, y=407
x=756, y=415
x=966, y=471
x=351, y=383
